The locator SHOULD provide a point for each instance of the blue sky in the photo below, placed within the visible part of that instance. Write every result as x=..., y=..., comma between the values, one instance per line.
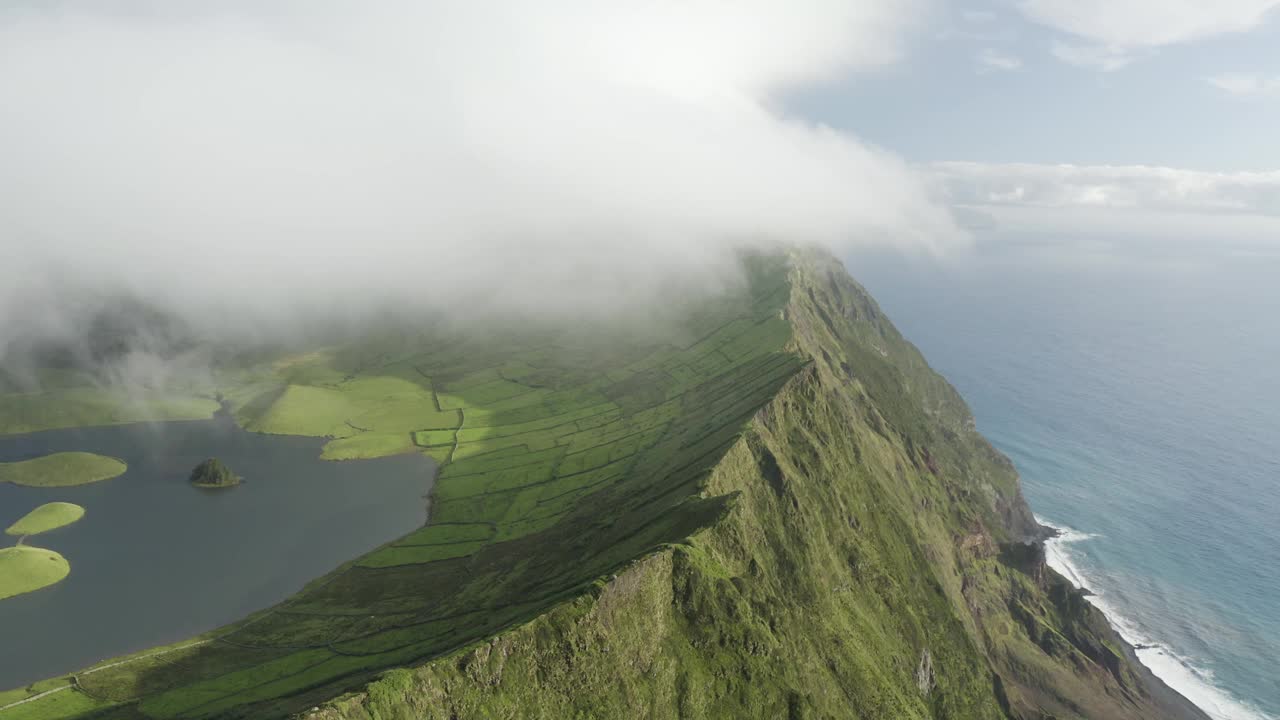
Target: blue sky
x=942, y=101
x=1111, y=120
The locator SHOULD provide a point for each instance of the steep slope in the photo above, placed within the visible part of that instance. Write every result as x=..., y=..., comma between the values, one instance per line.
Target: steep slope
x=567, y=454
x=785, y=513
x=878, y=561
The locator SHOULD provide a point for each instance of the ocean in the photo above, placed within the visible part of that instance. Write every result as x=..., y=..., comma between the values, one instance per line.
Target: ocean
x=1139, y=397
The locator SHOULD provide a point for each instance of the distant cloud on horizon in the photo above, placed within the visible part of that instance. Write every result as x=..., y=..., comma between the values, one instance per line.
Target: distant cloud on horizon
x=1152, y=192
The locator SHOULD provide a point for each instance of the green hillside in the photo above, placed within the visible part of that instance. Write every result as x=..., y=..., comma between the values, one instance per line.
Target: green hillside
x=871, y=566
x=783, y=513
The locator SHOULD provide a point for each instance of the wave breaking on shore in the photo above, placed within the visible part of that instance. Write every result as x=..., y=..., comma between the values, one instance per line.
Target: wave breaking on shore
x=1177, y=671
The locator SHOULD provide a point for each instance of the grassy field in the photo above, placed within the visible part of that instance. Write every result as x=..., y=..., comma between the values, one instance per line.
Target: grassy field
x=49, y=516
x=366, y=412
x=86, y=406
x=62, y=470
x=24, y=569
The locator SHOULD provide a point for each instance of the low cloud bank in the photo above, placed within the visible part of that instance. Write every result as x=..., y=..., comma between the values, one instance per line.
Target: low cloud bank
x=1102, y=216
x=245, y=164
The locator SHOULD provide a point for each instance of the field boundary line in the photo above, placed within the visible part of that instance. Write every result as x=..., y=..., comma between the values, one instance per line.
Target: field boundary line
x=75, y=677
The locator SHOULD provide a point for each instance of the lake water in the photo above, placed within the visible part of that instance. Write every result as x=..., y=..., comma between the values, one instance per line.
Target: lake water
x=1138, y=392
x=155, y=561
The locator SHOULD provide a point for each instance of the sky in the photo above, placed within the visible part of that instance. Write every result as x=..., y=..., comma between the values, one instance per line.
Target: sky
x=253, y=166
x=1189, y=84
x=1147, y=122
x=248, y=161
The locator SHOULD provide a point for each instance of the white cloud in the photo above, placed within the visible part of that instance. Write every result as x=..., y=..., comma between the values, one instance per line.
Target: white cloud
x=1246, y=84
x=1135, y=187
x=1100, y=215
x=1092, y=57
x=1147, y=23
x=498, y=151
x=992, y=59
x=1108, y=32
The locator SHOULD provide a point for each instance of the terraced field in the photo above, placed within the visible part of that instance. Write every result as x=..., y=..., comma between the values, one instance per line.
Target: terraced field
x=564, y=459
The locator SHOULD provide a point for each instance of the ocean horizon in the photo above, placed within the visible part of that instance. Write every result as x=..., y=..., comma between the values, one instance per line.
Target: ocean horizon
x=1139, y=400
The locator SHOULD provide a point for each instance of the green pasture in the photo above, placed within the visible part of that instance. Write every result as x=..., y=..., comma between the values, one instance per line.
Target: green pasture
x=24, y=569
x=49, y=516
x=62, y=469
x=87, y=406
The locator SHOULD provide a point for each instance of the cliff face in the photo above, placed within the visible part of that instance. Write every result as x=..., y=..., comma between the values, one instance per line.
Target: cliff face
x=877, y=560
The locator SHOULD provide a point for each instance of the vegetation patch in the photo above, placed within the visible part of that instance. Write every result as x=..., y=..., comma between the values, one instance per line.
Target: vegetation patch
x=367, y=445
x=67, y=703
x=62, y=469
x=306, y=410
x=366, y=413
x=24, y=569
x=88, y=406
x=213, y=473
x=49, y=516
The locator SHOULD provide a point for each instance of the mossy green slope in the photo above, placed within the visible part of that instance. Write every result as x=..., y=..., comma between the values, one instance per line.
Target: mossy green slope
x=62, y=469
x=871, y=566
x=788, y=515
x=25, y=569
x=49, y=516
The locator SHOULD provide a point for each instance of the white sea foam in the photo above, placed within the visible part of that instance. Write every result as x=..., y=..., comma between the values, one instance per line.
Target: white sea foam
x=1178, y=672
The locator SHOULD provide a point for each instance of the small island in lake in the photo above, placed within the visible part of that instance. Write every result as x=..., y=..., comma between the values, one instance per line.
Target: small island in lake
x=212, y=473
x=49, y=516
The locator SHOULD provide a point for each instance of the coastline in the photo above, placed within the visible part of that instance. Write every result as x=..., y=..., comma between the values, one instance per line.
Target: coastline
x=1177, y=672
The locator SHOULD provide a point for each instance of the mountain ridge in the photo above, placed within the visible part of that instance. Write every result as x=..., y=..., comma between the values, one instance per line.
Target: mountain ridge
x=1013, y=640
x=789, y=514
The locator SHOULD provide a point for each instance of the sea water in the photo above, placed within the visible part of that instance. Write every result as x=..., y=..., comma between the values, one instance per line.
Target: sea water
x=1139, y=398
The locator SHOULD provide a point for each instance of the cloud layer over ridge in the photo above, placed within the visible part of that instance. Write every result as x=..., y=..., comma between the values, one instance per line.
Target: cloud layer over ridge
x=251, y=157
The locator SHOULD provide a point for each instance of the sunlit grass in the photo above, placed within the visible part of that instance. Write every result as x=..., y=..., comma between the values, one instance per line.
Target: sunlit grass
x=24, y=569
x=88, y=406
x=49, y=516
x=62, y=470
